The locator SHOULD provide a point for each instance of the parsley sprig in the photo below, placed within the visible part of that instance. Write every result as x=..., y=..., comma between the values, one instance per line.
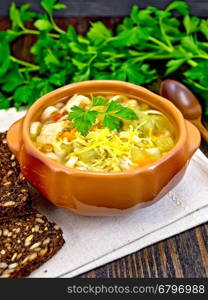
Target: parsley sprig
x=112, y=115
x=179, y=44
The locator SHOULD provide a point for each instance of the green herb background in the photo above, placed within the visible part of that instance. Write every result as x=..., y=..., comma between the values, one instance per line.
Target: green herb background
x=133, y=52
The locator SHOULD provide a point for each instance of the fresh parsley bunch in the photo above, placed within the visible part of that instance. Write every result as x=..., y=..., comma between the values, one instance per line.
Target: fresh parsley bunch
x=148, y=37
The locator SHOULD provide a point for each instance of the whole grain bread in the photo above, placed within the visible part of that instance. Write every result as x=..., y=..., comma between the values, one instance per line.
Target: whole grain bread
x=26, y=243
x=14, y=195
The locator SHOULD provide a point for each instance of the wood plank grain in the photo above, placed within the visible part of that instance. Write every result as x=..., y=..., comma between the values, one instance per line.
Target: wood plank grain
x=140, y=267
x=175, y=258
x=154, y=269
x=134, y=265
x=146, y=260
x=163, y=261
x=131, y=271
x=86, y=8
x=203, y=250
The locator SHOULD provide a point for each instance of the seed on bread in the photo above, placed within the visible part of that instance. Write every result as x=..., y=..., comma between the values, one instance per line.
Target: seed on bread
x=9, y=203
x=14, y=195
x=31, y=248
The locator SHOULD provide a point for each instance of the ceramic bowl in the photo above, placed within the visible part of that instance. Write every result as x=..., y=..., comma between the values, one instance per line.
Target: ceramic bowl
x=103, y=194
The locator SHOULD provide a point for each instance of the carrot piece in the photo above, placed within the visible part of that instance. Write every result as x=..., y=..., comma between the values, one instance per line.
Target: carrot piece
x=96, y=126
x=93, y=128
x=73, y=130
x=144, y=162
x=47, y=148
x=56, y=117
x=69, y=135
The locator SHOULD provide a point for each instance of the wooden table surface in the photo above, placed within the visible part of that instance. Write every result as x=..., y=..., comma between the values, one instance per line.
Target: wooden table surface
x=184, y=255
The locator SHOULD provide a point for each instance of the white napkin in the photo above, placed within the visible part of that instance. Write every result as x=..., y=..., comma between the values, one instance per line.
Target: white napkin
x=94, y=241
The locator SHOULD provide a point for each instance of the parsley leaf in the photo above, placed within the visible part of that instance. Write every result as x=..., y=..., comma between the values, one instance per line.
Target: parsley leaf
x=181, y=6
x=4, y=103
x=99, y=101
x=173, y=65
x=43, y=25
x=71, y=33
x=22, y=96
x=196, y=78
x=15, y=16
x=58, y=79
x=112, y=122
x=134, y=73
x=204, y=28
x=114, y=106
x=25, y=14
x=48, y=5
x=131, y=37
x=98, y=33
x=5, y=53
x=114, y=113
x=189, y=44
x=12, y=79
x=59, y=6
x=82, y=120
x=191, y=24
x=120, y=110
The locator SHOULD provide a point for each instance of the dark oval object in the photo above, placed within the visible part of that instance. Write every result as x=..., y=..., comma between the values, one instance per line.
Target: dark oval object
x=182, y=97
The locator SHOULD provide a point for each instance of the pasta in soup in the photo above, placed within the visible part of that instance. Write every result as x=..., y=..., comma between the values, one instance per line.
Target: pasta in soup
x=103, y=133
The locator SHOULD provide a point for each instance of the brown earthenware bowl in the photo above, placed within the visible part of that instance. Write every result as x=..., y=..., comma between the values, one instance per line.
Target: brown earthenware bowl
x=103, y=194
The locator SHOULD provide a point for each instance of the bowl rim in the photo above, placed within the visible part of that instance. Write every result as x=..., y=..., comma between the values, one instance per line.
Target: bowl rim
x=172, y=109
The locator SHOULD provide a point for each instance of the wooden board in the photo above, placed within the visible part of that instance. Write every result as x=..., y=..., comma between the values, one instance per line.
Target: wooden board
x=105, y=8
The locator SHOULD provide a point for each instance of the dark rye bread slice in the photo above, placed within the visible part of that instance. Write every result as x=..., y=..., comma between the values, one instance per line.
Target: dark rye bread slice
x=26, y=243
x=14, y=196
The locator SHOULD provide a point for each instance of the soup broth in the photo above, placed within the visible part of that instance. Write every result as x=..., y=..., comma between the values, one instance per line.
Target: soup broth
x=132, y=135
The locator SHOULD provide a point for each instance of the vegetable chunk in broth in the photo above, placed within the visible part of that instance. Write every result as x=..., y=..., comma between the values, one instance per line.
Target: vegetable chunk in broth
x=103, y=133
